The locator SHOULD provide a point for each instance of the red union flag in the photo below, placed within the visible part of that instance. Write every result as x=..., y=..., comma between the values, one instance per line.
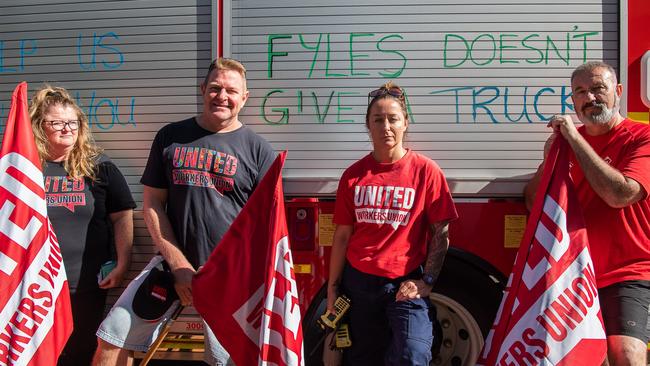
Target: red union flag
x=246, y=291
x=550, y=314
x=35, y=320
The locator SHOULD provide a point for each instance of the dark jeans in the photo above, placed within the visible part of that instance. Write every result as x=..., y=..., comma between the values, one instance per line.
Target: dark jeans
x=385, y=331
x=87, y=314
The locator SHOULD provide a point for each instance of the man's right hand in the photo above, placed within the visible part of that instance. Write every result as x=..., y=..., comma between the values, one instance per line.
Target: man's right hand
x=183, y=284
x=563, y=123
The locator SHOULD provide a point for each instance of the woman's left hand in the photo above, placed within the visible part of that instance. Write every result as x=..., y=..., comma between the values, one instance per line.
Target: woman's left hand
x=114, y=279
x=412, y=289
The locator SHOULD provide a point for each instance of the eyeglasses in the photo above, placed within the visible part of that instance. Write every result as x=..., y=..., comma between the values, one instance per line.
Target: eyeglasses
x=59, y=125
x=394, y=91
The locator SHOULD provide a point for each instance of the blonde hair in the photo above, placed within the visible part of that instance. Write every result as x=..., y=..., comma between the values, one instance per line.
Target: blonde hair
x=223, y=63
x=82, y=158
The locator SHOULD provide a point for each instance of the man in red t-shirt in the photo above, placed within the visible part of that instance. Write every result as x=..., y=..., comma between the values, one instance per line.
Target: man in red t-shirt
x=610, y=167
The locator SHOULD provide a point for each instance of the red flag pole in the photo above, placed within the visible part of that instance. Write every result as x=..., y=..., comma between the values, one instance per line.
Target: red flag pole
x=558, y=147
x=246, y=291
x=22, y=258
x=18, y=135
x=552, y=259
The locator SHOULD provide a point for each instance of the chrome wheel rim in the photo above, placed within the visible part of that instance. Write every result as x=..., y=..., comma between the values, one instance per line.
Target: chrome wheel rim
x=462, y=340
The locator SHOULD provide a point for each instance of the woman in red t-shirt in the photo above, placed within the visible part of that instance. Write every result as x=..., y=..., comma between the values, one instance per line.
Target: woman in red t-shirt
x=392, y=211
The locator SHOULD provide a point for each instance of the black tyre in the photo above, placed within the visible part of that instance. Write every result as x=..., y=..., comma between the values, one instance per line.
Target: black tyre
x=313, y=335
x=466, y=300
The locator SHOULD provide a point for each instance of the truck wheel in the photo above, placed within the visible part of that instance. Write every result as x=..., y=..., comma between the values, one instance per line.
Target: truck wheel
x=312, y=333
x=466, y=300
x=461, y=338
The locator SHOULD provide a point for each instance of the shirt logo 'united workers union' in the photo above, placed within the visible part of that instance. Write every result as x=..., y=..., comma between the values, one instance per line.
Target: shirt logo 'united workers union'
x=383, y=204
x=65, y=192
x=203, y=167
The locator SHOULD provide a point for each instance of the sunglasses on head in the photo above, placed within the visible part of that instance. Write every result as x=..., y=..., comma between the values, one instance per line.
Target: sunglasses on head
x=394, y=91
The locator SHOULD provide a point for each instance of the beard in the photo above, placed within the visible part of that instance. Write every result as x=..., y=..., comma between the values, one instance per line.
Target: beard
x=605, y=115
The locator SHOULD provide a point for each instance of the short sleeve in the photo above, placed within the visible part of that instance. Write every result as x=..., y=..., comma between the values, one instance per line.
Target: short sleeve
x=154, y=172
x=440, y=205
x=266, y=156
x=637, y=162
x=343, y=207
x=118, y=196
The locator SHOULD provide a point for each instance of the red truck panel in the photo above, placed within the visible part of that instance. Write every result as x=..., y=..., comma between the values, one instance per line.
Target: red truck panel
x=490, y=230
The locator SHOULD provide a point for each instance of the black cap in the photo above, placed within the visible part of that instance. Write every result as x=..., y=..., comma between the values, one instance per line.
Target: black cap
x=156, y=294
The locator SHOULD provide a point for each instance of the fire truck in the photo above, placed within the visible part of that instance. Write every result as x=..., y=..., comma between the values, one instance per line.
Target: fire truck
x=482, y=79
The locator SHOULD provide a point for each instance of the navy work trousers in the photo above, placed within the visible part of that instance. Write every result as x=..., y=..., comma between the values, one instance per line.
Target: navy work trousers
x=385, y=331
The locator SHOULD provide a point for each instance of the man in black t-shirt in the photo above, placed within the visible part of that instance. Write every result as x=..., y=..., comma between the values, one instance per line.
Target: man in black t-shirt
x=199, y=175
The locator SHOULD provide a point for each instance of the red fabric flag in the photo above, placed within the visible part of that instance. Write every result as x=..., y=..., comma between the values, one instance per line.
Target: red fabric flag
x=550, y=314
x=246, y=291
x=35, y=320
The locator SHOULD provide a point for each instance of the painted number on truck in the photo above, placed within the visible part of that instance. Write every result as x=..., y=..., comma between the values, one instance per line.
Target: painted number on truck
x=194, y=326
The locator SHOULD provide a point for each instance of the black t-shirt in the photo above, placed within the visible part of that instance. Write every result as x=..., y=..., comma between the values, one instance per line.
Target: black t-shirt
x=209, y=177
x=79, y=210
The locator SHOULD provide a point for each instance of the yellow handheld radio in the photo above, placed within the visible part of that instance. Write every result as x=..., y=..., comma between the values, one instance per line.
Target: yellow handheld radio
x=342, y=337
x=329, y=323
x=329, y=320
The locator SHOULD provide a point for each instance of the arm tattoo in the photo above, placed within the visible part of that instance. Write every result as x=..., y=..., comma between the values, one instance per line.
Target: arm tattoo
x=437, y=248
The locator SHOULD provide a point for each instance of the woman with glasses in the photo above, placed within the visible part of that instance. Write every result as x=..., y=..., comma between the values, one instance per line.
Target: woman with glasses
x=392, y=211
x=91, y=209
